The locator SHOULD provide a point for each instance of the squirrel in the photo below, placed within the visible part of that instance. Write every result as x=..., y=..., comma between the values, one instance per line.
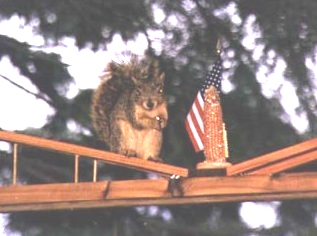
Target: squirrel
x=129, y=108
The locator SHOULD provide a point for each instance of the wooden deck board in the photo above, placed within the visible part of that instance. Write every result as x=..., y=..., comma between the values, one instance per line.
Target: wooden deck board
x=155, y=192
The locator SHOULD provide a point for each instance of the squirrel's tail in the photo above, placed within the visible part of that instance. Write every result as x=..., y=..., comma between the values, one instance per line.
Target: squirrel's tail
x=115, y=81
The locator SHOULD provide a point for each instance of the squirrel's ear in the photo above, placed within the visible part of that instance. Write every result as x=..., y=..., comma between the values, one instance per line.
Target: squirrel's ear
x=161, y=78
x=135, y=80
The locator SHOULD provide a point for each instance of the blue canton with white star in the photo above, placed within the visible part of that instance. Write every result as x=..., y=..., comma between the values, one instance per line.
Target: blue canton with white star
x=214, y=76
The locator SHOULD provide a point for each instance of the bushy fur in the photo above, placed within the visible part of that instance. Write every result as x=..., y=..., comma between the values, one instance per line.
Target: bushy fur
x=129, y=108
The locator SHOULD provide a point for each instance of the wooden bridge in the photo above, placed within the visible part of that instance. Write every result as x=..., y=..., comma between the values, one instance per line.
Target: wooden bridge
x=262, y=178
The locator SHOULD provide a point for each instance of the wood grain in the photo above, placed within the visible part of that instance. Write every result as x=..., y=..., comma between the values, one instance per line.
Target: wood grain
x=108, y=157
x=287, y=164
x=155, y=192
x=277, y=161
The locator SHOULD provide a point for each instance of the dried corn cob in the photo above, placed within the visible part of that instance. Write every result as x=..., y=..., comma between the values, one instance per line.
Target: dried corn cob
x=215, y=135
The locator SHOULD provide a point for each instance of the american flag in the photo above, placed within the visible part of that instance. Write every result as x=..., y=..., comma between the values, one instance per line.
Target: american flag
x=194, y=120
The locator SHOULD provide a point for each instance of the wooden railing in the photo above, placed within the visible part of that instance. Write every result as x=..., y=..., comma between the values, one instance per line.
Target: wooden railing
x=252, y=180
x=78, y=151
x=278, y=161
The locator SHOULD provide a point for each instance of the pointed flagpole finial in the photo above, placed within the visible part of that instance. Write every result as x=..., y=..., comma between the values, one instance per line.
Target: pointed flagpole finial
x=219, y=46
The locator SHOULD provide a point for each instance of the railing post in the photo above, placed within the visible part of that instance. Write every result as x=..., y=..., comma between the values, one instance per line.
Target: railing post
x=15, y=163
x=76, y=168
x=95, y=171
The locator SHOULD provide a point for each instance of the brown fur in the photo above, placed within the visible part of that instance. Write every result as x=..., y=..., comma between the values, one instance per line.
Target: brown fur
x=129, y=110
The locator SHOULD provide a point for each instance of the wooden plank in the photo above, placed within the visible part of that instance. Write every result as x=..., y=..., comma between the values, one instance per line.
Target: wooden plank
x=155, y=192
x=268, y=159
x=108, y=157
x=153, y=202
x=287, y=164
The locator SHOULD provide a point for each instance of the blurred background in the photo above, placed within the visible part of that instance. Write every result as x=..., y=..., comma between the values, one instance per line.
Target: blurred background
x=51, y=53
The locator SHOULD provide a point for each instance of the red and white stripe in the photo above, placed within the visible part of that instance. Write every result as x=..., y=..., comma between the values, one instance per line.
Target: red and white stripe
x=194, y=123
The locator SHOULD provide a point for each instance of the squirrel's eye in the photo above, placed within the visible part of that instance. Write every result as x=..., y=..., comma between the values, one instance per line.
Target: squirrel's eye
x=160, y=90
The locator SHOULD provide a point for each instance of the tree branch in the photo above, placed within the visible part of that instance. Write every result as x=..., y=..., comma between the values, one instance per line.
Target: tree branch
x=28, y=91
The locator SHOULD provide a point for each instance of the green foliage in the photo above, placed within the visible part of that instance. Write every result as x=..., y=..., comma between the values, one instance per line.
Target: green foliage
x=88, y=21
x=284, y=29
x=45, y=70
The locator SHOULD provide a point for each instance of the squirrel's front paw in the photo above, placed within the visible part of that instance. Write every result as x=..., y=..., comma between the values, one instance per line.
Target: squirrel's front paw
x=155, y=159
x=128, y=152
x=163, y=123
